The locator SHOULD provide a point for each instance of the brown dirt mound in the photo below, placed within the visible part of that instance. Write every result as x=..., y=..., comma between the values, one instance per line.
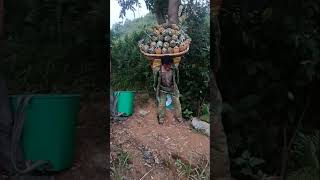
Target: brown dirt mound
x=142, y=135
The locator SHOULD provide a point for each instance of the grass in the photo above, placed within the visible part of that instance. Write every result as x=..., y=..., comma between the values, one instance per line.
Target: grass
x=120, y=165
x=183, y=169
x=200, y=172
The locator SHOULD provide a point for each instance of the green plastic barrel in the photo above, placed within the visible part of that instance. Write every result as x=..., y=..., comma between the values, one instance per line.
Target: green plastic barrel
x=125, y=102
x=49, y=129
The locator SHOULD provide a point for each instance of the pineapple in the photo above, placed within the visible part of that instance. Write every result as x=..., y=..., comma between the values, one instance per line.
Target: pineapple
x=175, y=27
x=158, y=50
x=145, y=48
x=164, y=50
x=165, y=25
x=159, y=44
x=156, y=32
x=182, y=38
x=170, y=31
x=153, y=44
x=161, y=37
x=175, y=37
x=173, y=43
x=167, y=38
x=166, y=45
x=155, y=38
x=151, y=50
x=176, y=49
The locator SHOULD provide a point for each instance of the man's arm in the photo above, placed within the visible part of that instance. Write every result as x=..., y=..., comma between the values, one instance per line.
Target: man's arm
x=155, y=66
x=176, y=62
x=176, y=74
x=155, y=78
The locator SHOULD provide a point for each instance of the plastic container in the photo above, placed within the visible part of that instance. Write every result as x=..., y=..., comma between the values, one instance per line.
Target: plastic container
x=125, y=104
x=49, y=129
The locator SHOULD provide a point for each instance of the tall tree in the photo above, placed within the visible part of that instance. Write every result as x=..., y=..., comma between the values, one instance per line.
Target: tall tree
x=219, y=147
x=161, y=9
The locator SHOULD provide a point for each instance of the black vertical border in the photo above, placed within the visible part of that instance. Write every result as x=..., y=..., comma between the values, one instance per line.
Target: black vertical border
x=108, y=84
x=216, y=97
x=212, y=47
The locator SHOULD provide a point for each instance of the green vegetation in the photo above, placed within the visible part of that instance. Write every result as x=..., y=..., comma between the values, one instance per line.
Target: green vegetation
x=305, y=156
x=119, y=30
x=268, y=76
x=54, y=46
x=200, y=172
x=131, y=70
x=120, y=165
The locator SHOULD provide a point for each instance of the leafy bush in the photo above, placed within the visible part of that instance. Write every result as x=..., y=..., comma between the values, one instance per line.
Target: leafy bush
x=268, y=76
x=54, y=46
x=305, y=156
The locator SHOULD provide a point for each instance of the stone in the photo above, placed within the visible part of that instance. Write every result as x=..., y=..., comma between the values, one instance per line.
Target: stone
x=201, y=125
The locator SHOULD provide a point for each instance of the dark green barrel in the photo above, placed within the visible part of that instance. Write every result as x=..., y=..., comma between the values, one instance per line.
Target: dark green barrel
x=49, y=129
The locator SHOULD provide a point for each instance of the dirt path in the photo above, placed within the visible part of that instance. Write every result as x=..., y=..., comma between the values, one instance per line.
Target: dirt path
x=157, y=147
x=90, y=161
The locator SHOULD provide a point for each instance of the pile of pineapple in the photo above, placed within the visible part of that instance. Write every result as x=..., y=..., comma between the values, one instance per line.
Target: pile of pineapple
x=165, y=39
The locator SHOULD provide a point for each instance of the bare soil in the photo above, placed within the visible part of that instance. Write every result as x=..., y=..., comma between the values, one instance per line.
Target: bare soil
x=142, y=136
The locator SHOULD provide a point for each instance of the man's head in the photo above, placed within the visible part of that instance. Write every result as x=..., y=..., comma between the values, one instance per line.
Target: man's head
x=167, y=62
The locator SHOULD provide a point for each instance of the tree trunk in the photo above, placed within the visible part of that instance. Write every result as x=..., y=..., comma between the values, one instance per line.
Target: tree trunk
x=173, y=10
x=217, y=34
x=219, y=147
x=1, y=19
x=160, y=17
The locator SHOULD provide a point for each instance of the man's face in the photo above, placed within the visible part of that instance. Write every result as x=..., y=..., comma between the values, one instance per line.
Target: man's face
x=167, y=67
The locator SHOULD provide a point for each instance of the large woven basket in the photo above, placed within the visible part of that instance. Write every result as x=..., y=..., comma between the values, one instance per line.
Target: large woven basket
x=153, y=56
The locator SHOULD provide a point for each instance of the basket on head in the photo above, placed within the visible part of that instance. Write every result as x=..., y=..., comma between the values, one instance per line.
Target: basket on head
x=165, y=40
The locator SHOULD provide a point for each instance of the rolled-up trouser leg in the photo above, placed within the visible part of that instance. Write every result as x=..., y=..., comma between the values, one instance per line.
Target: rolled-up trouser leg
x=177, y=107
x=161, y=107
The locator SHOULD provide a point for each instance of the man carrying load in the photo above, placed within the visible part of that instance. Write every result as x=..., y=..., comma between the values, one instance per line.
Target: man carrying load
x=164, y=45
x=166, y=79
